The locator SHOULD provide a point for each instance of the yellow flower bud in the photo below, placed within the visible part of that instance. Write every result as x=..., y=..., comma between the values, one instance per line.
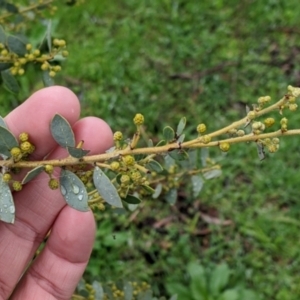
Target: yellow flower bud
x=23, y=137
x=6, y=177
x=201, y=128
x=49, y=169
x=118, y=136
x=224, y=146
x=115, y=165
x=17, y=186
x=205, y=139
x=269, y=122
x=53, y=184
x=251, y=115
x=128, y=160
x=16, y=153
x=138, y=119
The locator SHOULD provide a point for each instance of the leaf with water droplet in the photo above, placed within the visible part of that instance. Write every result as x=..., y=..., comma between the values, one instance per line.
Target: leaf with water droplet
x=7, y=206
x=62, y=131
x=32, y=174
x=73, y=190
x=106, y=189
x=77, y=152
x=7, y=141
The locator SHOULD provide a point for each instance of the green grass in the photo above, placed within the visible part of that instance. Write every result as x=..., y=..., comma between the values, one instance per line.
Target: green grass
x=205, y=60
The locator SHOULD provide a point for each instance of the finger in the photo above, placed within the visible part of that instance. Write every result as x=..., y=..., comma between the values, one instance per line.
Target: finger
x=57, y=270
x=36, y=210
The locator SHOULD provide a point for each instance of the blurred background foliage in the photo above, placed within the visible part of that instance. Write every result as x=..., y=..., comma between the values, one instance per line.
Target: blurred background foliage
x=205, y=60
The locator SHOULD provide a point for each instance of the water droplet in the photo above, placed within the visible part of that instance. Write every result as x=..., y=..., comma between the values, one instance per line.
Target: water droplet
x=75, y=189
x=12, y=209
x=80, y=197
x=5, y=205
x=63, y=190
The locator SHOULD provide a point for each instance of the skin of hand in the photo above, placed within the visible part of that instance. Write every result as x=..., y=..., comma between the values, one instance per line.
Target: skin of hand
x=56, y=271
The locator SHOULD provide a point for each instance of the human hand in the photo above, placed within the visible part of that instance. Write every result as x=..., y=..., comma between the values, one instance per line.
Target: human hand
x=56, y=271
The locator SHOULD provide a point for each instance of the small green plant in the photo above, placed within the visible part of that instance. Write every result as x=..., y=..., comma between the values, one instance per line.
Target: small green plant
x=217, y=283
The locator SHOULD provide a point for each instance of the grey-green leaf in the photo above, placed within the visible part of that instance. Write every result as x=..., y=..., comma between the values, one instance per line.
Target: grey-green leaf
x=197, y=183
x=32, y=174
x=16, y=45
x=7, y=207
x=154, y=166
x=130, y=199
x=157, y=191
x=169, y=134
x=2, y=123
x=106, y=189
x=77, y=152
x=212, y=174
x=128, y=291
x=4, y=66
x=47, y=79
x=181, y=126
x=2, y=35
x=62, y=132
x=73, y=191
x=171, y=196
x=99, y=293
x=7, y=141
x=10, y=82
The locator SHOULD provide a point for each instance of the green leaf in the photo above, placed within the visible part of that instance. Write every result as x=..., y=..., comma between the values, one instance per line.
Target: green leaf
x=10, y=82
x=148, y=188
x=128, y=291
x=197, y=184
x=47, y=79
x=32, y=174
x=219, y=278
x=181, y=138
x=181, y=126
x=16, y=45
x=204, y=156
x=169, y=134
x=99, y=293
x=231, y=294
x=106, y=189
x=130, y=199
x=62, y=132
x=77, y=152
x=7, y=207
x=2, y=35
x=5, y=66
x=7, y=141
x=10, y=7
x=154, y=166
x=171, y=196
x=198, y=286
x=73, y=191
x=174, y=297
x=147, y=295
x=2, y=123
x=181, y=291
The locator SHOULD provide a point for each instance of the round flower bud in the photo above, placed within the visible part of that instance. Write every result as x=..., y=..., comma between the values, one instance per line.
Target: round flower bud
x=275, y=141
x=283, y=121
x=23, y=137
x=205, y=139
x=273, y=148
x=115, y=165
x=65, y=53
x=293, y=106
x=45, y=66
x=16, y=153
x=251, y=115
x=25, y=146
x=136, y=176
x=125, y=178
x=48, y=169
x=128, y=160
x=118, y=136
x=52, y=73
x=269, y=122
x=138, y=119
x=53, y=184
x=6, y=177
x=201, y=128
x=28, y=47
x=240, y=132
x=224, y=146
x=284, y=127
x=17, y=186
